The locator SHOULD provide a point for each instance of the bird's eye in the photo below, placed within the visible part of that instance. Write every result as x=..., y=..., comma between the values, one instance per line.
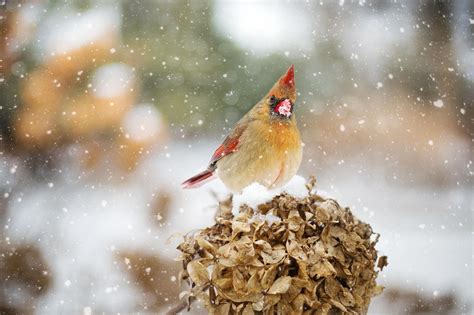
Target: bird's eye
x=272, y=99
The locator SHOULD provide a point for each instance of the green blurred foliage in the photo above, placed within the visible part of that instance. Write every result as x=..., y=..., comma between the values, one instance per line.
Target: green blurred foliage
x=186, y=68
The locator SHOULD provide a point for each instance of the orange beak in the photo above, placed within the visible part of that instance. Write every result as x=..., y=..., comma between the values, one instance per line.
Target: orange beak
x=289, y=78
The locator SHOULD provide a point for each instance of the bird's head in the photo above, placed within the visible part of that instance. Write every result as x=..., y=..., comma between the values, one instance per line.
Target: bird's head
x=281, y=98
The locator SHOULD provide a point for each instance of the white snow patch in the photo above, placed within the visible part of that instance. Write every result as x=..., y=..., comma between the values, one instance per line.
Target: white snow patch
x=269, y=218
x=256, y=194
x=252, y=195
x=296, y=187
x=83, y=238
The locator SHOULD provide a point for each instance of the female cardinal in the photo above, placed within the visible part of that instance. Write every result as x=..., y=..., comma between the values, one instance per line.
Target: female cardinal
x=264, y=146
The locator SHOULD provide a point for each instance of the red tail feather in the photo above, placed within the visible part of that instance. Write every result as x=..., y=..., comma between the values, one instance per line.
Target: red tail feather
x=198, y=179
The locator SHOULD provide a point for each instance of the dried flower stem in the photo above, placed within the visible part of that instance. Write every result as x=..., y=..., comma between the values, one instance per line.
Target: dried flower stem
x=186, y=301
x=183, y=303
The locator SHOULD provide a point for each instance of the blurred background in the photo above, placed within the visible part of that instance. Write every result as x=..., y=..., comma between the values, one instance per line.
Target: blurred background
x=107, y=106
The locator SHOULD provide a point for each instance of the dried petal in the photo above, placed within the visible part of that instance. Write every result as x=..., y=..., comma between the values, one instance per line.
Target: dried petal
x=269, y=276
x=239, y=227
x=248, y=310
x=295, y=222
x=271, y=300
x=223, y=283
x=280, y=286
x=222, y=309
x=295, y=250
x=204, y=244
x=197, y=272
x=274, y=257
x=383, y=262
x=238, y=280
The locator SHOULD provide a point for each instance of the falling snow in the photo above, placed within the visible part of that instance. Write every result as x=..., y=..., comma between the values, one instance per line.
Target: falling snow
x=438, y=103
x=106, y=107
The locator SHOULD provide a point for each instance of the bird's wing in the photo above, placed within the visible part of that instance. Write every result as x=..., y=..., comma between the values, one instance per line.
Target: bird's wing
x=229, y=146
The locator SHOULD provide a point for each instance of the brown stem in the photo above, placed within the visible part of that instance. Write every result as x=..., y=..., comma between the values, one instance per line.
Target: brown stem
x=187, y=300
x=183, y=303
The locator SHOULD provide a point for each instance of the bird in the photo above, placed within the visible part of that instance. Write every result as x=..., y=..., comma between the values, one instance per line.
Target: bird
x=264, y=146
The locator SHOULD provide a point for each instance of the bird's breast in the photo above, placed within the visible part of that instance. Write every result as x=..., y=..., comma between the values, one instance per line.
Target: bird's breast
x=280, y=135
x=268, y=153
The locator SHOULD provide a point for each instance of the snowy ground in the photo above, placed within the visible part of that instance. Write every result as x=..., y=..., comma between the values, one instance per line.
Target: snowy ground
x=80, y=222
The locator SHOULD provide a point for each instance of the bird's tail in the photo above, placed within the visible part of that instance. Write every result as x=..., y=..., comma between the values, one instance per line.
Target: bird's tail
x=198, y=179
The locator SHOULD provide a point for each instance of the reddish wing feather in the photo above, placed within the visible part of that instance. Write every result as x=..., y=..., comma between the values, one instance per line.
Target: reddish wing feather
x=229, y=146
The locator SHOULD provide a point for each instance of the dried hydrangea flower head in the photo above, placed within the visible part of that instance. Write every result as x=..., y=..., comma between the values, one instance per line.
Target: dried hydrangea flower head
x=287, y=256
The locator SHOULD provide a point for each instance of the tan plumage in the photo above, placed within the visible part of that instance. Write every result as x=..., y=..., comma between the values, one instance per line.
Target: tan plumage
x=263, y=147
